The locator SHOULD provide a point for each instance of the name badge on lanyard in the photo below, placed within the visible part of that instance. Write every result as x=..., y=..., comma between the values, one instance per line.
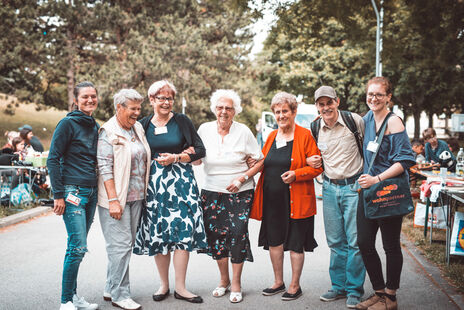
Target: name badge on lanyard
x=73, y=199
x=372, y=146
x=161, y=130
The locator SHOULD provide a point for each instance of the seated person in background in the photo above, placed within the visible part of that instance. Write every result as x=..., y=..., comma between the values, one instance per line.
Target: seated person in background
x=453, y=145
x=418, y=148
x=9, y=137
x=29, y=138
x=437, y=151
x=18, y=147
x=23, y=175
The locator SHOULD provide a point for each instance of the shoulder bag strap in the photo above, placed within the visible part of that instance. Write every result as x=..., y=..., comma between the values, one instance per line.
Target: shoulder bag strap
x=379, y=139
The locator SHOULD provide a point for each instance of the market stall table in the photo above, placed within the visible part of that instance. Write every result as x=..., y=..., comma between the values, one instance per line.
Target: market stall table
x=453, y=193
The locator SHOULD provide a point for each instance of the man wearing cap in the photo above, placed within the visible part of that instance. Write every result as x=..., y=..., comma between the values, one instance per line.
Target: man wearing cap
x=343, y=163
x=34, y=141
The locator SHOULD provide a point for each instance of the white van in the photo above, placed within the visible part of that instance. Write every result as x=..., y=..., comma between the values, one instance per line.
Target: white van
x=306, y=113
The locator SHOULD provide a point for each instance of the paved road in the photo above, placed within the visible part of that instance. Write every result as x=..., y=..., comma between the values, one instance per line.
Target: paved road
x=32, y=255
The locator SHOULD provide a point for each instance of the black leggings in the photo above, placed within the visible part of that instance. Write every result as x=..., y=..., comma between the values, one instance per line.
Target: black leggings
x=390, y=229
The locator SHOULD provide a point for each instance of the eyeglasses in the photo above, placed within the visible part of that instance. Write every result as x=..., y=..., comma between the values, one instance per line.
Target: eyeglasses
x=227, y=109
x=377, y=95
x=164, y=99
x=322, y=104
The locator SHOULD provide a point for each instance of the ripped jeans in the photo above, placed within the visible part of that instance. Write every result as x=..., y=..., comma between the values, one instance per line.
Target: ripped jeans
x=77, y=220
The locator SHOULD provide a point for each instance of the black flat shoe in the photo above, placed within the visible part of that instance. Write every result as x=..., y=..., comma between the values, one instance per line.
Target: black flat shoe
x=272, y=291
x=160, y=297
x=194, y=299
x=287, y=296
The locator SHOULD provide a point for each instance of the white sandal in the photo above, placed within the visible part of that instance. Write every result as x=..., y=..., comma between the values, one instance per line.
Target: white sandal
x=235, y=297
x=220, y=291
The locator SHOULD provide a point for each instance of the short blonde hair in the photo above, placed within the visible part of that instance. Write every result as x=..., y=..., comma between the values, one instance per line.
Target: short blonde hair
x=284, y=98
x=226, y=93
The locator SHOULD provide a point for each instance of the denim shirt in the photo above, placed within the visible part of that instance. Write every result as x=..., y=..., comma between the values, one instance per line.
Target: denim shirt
x=394, y=148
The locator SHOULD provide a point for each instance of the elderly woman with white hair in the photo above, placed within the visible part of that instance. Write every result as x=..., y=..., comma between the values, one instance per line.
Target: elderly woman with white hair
x=123, y=156
x=227, y=194
x=284, y=196
x=172, y=221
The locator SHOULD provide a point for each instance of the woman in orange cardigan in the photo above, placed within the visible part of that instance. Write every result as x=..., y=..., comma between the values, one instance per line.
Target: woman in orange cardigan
x=284, y=197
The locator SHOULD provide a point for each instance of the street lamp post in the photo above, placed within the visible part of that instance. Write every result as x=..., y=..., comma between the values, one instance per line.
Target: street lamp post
x=378, y=45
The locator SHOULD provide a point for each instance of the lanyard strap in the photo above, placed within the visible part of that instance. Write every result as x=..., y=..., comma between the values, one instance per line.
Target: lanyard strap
x=379, y=139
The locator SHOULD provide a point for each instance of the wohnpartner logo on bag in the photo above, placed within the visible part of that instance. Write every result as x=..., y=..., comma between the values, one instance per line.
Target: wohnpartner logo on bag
x=387, y=190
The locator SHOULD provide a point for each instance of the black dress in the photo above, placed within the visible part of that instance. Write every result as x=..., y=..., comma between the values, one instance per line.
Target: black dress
x=277, y=227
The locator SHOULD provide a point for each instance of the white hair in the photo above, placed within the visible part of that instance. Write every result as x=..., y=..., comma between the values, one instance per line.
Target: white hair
x=156, y=87
x=124, y=95
x=225, y=93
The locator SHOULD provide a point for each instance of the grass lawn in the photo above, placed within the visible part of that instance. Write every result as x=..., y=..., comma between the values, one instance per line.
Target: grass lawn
x=43, y=122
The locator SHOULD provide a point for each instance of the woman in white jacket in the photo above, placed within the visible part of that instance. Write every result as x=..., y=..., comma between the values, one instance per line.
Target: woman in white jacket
x=123, y=158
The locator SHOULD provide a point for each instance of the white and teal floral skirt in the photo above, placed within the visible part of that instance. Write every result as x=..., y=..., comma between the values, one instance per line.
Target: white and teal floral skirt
x=172, y=219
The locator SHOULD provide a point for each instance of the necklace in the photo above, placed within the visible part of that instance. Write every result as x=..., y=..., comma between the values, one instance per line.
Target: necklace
x=160, y=123
x=131, y=133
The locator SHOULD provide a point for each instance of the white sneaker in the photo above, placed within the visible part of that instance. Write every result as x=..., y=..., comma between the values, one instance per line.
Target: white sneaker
x=127, y=304
x=68, y=306
x=81, y=304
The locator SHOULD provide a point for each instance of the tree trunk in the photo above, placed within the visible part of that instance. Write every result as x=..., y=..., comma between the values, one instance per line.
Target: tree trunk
x=430, y=114
x=70, y=71
x=416, y=116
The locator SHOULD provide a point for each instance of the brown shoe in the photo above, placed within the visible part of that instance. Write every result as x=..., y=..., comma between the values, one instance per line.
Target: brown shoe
x=372, y=300
x=380, y=305
x=391, y=304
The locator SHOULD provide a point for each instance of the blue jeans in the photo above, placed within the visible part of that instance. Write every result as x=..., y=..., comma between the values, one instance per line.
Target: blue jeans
x=77, y=220
x=347, y=272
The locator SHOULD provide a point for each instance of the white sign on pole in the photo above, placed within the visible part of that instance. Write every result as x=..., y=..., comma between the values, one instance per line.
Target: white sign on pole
x=457, y=121
x=184, y=104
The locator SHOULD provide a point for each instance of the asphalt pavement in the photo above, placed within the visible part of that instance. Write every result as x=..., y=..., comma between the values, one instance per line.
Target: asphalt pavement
x=32, y=259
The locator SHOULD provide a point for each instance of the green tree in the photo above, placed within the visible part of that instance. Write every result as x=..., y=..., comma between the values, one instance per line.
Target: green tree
x=20, y=51
x=422, y=51
x=198, y=45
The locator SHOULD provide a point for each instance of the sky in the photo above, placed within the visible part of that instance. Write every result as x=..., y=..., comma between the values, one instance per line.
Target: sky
x=262, y=26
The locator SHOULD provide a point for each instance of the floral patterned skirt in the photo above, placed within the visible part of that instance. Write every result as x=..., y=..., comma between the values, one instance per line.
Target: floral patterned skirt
x=172, y=219
x=226, y=223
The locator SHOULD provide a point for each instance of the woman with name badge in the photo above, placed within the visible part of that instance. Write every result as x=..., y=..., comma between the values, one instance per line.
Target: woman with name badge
x=172, y=221
x=72, y=166
x=394, y=156
x=284, y=197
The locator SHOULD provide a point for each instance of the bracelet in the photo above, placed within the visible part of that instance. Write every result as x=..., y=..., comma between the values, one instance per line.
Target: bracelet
x=112, y=199
x=378, y=177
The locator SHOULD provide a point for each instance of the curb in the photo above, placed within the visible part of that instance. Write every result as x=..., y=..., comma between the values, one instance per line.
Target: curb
x=23, y=216
x=432, y=272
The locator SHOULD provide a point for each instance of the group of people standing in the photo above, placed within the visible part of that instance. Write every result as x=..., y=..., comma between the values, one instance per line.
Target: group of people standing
x=139, y=174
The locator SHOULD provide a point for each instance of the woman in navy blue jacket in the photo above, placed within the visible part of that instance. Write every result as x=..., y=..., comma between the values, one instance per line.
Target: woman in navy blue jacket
x=72, y=163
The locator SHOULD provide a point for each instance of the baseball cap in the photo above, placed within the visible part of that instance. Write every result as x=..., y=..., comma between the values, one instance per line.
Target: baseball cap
x=325, y=91
x=26, y=126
